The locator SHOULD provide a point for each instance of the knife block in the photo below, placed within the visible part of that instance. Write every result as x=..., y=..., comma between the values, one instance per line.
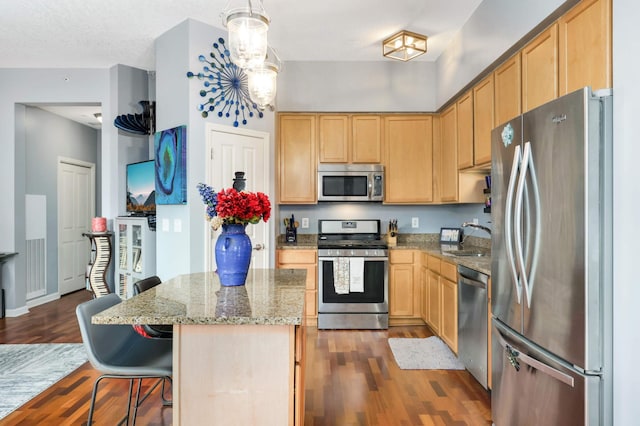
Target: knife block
x=291, y=236
x=392, y=239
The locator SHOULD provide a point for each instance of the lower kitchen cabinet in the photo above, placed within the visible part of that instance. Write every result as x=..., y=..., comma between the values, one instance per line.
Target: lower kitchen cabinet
x=303, y=259
x=404, y=287
x=449, y=305
x=441, y=299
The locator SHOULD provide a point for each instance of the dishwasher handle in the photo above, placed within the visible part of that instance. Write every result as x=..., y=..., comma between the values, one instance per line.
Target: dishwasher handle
x=467, y=281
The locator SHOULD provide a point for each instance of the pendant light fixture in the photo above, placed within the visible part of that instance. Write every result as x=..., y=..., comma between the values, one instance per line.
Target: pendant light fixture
x=247, y=23
x=263, y=80
x=404, y=45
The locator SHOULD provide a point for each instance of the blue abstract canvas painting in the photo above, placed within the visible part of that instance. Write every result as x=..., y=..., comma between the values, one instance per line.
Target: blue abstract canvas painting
x=171, y=165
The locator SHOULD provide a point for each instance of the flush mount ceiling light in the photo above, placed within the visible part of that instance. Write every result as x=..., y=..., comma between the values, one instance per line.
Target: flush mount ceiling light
x=247, y=23
x=263, y=80
x=404, y=45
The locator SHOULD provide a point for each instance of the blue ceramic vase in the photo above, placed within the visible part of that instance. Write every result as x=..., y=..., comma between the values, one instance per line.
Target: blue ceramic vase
x=233, y=255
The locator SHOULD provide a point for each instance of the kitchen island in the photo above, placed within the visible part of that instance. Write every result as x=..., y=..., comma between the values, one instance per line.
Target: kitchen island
x=238, y=352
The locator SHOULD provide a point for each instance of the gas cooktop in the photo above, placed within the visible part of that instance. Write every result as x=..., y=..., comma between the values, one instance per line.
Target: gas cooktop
x=350, y=234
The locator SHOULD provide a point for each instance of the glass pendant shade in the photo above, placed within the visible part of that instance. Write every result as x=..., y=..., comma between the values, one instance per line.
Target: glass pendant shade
x=247, y=23
x=263, y=84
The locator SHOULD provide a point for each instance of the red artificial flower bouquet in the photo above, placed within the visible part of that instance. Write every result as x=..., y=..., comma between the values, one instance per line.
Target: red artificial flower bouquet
x=230, y=206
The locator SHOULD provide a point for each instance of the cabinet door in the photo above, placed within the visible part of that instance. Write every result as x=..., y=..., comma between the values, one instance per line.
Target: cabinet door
x=401, y=290
x=408, y=146
x=366, y=139
x=483, y=121
x=434, y=301
x=448, y=151
x=424, y=284
x=333, y=138
x=585, y=46
x=507, y=90
x=540, y=69
x=297, y=159
x=465, y=130
x=449, y=312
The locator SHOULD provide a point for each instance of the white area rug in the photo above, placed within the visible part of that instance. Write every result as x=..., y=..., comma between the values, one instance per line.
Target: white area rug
x=27, y=370
x=423, y=354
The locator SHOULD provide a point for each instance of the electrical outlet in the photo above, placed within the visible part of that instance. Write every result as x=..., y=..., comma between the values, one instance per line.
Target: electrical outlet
x=305, y=222
x=475, y=221
x=415, y=222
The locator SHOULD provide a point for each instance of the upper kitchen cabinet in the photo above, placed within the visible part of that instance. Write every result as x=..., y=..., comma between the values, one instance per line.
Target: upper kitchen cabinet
x=366, y=139
x=297, y=159
x=448, y=155
x=585, y=46
x=344, y=138
x=333, y=138
x=408, y=141
x=483, y=121
x=540, y=69
x=507, y=90
x=464, y=107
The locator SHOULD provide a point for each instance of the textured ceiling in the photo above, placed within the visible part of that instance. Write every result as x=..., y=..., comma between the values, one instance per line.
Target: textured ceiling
x=102, y=33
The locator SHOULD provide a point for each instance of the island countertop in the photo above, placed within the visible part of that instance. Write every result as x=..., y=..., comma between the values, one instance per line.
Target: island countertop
x=269, y=297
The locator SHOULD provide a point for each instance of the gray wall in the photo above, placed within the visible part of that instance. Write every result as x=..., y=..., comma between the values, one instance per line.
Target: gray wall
x=178, y=97
x=47, y=137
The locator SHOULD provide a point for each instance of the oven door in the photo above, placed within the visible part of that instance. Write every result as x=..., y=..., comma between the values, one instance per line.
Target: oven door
x=374, y=298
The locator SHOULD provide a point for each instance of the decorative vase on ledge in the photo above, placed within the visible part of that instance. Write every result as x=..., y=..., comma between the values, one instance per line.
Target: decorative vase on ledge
x=233, y=255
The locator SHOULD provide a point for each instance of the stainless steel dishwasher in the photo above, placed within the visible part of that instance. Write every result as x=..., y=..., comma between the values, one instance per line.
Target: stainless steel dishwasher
x=472, y=322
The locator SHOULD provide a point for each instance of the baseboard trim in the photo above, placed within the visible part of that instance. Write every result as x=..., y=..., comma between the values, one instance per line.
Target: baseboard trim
x=42, y=300
x=16, y=312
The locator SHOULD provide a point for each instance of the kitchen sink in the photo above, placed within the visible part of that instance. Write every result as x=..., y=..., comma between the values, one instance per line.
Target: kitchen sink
x=466, y=253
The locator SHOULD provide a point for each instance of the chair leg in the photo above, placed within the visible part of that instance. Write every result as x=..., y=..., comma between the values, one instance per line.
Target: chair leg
x=137, y=402
x=93, y=400
x=166, y=402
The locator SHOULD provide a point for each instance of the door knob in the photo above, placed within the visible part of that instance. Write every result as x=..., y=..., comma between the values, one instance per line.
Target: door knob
x=258, y=247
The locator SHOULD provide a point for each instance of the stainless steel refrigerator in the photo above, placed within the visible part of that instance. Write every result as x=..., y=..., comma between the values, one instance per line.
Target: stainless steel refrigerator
x=551, y=264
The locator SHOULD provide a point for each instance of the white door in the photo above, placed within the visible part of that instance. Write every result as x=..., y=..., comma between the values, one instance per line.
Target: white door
x=76, y=207
x=239, y=150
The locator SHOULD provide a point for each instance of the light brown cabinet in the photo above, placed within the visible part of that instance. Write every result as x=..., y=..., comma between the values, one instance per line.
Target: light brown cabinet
x=508, y=90
x=540, y=69
x=449, y=305
x=404, y=287
x=333, y=138
x=308, y=260
x=464, y=122
x=424, y=286
x=345, y=138
x=440, y=298
x=483, y=121
x=366, y=136
x=297, y=159
x=585, y=46
x=448, y=155
x=408, y=159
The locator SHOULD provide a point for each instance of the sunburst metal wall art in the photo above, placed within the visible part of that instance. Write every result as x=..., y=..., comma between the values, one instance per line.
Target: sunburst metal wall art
x=225, y=87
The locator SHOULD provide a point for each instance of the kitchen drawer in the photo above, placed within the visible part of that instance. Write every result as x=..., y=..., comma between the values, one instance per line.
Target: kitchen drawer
x=449, y=271
x=400, y=256
x=297, y=256
x=434, y=264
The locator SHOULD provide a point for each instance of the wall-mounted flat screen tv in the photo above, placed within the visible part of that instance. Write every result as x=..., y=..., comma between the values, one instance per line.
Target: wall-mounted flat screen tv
x=141, y=188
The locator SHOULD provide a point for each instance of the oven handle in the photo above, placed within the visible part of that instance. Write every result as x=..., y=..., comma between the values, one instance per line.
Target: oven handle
x=366, y=258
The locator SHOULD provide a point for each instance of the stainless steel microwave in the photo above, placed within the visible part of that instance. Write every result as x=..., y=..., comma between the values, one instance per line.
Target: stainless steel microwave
x=350, y=182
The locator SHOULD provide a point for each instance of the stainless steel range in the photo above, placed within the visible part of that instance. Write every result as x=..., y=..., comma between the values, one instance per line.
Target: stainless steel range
x=353, y=269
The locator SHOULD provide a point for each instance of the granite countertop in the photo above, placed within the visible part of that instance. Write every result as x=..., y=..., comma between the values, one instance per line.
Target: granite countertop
x=269, y=297
x=423, y=242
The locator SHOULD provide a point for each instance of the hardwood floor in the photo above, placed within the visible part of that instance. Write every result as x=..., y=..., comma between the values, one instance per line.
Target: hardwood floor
x=351, y=379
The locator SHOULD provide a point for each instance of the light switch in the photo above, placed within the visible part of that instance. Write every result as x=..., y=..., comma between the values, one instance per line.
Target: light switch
x=165, y=225
x=177, y=225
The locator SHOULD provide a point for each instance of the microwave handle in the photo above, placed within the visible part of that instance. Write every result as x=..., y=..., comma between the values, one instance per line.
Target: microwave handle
x=370, y=185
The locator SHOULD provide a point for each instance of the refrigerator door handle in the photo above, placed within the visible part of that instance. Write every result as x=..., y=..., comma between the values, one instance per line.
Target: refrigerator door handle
x=516, y=356
x=508, y=225
x=528, y=278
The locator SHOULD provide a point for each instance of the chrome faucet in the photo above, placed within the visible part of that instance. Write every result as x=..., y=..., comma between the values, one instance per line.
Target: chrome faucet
x=475, y=225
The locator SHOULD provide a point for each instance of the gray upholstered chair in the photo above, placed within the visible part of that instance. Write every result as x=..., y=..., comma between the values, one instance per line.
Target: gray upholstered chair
x=118, y=352
x=148, y=330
